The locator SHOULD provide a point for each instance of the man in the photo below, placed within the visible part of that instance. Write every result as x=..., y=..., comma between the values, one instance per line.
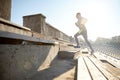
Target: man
x=82, y=31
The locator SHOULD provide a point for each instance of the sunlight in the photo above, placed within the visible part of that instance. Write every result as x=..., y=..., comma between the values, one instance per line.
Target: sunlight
x=98, y=20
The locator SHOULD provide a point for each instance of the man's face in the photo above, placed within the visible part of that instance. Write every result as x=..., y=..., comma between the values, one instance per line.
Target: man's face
x=78, y=16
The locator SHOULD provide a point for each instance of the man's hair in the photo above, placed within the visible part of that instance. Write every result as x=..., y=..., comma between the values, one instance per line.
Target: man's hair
x=78, y=13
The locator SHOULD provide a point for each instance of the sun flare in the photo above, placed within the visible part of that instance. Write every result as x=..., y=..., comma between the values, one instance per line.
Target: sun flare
x=98, y=20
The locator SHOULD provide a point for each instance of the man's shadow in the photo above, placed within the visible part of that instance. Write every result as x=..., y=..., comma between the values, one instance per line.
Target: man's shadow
x=57, y=67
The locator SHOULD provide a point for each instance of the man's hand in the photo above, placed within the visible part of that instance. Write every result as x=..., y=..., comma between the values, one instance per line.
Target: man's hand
x=76, y=24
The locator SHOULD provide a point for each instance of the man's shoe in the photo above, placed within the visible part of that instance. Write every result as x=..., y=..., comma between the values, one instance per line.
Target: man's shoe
x=92, y=51
x=76, y=46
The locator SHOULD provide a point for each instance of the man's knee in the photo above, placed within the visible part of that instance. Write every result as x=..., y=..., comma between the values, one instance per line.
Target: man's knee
x=75, y=35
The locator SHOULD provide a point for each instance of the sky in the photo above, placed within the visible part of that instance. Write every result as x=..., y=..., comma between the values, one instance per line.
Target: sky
x=103, y=15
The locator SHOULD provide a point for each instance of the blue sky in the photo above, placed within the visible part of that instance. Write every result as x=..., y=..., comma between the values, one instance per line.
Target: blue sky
x=103, y=15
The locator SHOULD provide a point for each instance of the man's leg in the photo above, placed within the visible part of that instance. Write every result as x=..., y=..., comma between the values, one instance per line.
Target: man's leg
x=76, y=39
x=88, y=43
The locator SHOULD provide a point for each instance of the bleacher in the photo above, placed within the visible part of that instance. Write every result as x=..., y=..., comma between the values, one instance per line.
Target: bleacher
x=112, y=50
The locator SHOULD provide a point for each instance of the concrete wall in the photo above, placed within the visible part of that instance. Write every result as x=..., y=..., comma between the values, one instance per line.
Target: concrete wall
x=35, y=22
x=51, y=31
x=19, y=62
x=5, y=9
x=38, y=24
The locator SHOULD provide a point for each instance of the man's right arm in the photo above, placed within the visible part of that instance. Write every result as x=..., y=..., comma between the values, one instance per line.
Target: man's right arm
x=77, y=24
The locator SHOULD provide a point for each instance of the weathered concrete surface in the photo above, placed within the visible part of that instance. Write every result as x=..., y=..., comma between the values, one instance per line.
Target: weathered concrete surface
x=66, y=54
x=59, y=69
x=20, y=62
x=35, y=22
x=5, y=9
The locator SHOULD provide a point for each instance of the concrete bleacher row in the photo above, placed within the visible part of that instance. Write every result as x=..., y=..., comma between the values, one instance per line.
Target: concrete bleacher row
x=111, y=50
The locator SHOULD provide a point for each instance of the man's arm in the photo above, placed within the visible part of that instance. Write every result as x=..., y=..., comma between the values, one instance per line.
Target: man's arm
x=77, y=24
x=84, y=20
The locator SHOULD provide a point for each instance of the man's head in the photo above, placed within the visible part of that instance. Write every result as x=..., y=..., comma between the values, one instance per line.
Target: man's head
x=78, y=15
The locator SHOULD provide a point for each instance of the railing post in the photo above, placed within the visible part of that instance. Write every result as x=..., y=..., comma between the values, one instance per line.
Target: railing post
x=35, y=22
x=5, y=9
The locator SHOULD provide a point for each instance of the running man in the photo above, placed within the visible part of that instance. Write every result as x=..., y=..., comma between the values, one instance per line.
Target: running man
x=82, y=31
